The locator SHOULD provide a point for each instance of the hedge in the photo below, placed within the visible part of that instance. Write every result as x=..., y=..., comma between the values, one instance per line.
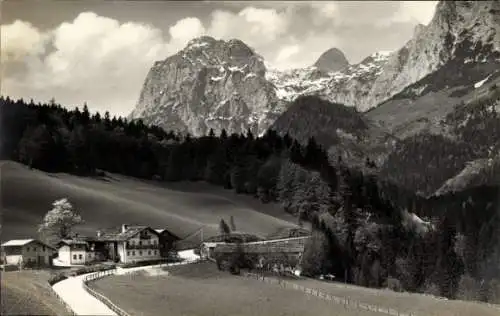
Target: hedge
x=148, y=262
x=96, y=268
x=57, y=277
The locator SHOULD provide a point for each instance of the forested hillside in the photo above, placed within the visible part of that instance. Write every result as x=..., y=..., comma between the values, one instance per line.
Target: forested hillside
x=423, y=162
x=364, y=228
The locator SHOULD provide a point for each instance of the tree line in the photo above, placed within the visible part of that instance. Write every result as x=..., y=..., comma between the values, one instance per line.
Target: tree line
x=425, y=161
x=359, y=230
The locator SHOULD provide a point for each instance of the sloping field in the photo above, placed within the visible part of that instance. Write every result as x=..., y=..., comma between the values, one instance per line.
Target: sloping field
x=27, y=195
x=202, y=290
x=418, y=304
x=28, y=293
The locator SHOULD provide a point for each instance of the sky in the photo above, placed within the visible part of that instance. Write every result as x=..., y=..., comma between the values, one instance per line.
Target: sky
x=100, y=52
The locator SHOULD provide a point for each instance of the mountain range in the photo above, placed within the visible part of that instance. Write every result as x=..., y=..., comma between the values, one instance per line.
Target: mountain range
x=420, y=96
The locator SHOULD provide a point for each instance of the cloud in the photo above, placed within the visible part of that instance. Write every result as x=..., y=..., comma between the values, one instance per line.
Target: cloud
x=325, y=9
x=93, y=58
x=104, y=61
x=19, y=40
x=288, y=51
x=415, y=11
x=254, y=26
x=184, y=30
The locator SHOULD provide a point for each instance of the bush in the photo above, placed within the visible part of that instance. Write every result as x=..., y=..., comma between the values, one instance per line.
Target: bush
x=235, y=269
x=493, y=292
x=11, y=267
x=57, y=278
x=393, y=284
x=150, y=262
x=468, y=289
x=96, y=268
x=431, y=289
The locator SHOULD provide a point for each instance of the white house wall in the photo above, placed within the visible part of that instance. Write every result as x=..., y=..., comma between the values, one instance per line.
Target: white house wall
x=78, y=256
x=64, y=255
x=121, y=251
x=13, y=259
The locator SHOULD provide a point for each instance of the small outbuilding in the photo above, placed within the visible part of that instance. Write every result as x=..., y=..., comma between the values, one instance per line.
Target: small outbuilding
x=27, y=253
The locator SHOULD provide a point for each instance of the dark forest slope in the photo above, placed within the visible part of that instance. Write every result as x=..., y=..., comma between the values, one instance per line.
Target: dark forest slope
x=363, y=228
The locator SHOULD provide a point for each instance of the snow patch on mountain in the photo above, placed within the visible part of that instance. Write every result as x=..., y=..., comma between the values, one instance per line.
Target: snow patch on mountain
x=480, y=83
x=182, y=90
x=349, y=86
x=462, y=180
x=414, y=223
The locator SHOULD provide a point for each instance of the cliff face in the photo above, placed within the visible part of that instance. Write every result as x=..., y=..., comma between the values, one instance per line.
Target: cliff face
x=464, y=30
x=209, y=84
x=225, y=84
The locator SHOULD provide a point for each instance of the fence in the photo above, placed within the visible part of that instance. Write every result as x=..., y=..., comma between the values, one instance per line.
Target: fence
x=348, y=303
x=68, y=308
x=101, y=274
x=98, y=275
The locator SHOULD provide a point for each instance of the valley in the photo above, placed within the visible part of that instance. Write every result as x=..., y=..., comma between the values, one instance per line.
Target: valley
x=390, y=164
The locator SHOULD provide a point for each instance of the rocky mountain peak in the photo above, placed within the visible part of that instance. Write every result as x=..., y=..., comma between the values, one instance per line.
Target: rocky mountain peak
x=217, y=84
x=205, y=51
x=209, y=84
x=332, y=60
x=462, y=31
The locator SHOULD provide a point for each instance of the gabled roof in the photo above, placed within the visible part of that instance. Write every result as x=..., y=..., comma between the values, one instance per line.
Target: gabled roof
x=116, y=234
x=71, y=242
x=17, y=242
x=165, y=231
x=23, y=242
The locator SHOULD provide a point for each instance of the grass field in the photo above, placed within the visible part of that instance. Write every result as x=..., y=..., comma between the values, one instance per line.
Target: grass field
x=182, y=208
x=403, y=302
x=28, y=293
x=202, y=290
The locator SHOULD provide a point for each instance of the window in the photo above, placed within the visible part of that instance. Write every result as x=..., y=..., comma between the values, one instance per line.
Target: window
x=149, y=252
x=133, y=253
x=74, y=257
x=156, y=252
x=140, y=242
x=34, y=248
x=140, y=252
x=128, y=253
x=80, y=257
x=43, y=248
x=28, y=249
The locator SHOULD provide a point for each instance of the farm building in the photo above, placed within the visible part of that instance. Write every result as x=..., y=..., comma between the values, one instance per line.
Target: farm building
x=167, y=241
x=27, y=252
x=127, y=243
x=284, y=252
x=131, y=243
x=76, y=251
x=207, y=247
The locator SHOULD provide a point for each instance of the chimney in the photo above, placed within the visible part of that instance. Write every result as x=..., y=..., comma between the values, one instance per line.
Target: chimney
x=124, y=228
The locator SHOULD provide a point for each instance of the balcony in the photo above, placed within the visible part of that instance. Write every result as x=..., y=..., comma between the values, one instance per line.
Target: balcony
x=143, y=246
